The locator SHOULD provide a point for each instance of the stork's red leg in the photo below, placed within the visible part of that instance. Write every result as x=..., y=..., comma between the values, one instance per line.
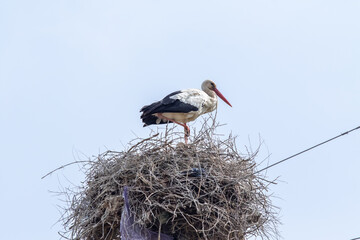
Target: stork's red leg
x=187, y=133
x=186, y=128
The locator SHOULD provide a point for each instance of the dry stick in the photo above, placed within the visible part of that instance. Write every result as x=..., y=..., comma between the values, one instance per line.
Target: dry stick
x=159, y=234
x=87, y=161
x=315, y=146
x=144, y=140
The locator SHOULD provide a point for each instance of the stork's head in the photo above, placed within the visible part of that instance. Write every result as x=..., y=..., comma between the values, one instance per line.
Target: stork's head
x=209, y=86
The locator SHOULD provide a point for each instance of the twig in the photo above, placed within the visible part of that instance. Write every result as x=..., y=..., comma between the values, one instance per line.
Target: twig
x=63, y=166
x=144, y=140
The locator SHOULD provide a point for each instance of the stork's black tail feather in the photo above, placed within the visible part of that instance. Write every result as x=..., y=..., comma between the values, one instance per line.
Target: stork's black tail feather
x=146, y=110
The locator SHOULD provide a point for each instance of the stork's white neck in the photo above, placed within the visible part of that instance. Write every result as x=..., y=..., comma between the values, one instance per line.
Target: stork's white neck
x=211, y=93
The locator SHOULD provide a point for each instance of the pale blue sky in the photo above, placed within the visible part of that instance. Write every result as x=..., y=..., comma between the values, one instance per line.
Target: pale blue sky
x=74, y=74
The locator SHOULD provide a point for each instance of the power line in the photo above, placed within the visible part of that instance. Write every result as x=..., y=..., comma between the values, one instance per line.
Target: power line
x=308, y=149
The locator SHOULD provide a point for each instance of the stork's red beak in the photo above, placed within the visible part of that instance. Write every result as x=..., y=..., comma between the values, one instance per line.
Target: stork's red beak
x=221, y=96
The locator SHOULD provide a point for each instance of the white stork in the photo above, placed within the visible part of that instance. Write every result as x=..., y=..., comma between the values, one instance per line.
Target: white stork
x=183, y=106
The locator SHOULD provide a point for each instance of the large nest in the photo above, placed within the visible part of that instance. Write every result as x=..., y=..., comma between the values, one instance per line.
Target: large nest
x=203, y=190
